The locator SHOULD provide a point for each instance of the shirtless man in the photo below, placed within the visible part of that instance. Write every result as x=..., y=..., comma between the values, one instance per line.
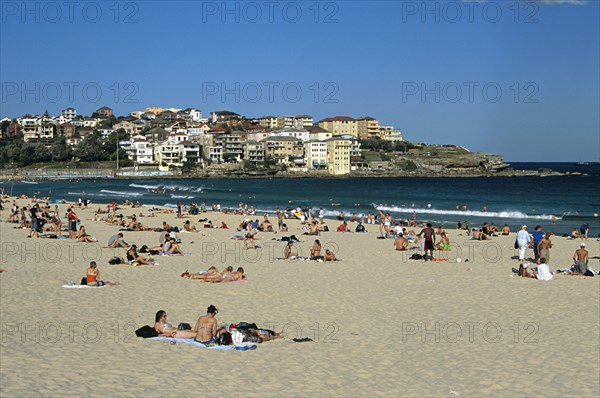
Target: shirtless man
x=206, y=327
x=581, y=258
x=544, y=246
x=505, y=230
x=329, y=256
x=401, y=243
x=429, y=235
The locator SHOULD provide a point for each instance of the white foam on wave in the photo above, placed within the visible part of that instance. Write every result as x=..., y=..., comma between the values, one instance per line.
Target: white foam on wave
x=121, y=193
x=143, y=186
x=173, y=196
x=467, y=213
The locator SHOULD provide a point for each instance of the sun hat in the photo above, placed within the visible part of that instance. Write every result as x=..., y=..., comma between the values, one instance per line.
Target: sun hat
x=582, y=245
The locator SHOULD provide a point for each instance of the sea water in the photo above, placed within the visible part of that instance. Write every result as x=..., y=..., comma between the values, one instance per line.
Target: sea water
x=441, y=201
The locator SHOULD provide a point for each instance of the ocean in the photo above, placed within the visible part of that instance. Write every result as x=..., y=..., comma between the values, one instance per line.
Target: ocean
x=441, y=201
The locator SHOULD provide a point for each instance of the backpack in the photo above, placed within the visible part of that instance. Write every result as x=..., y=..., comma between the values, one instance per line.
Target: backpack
x=146, y=332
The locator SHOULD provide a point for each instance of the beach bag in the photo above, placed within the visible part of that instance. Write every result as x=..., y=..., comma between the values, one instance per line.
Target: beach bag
x=588, y=273
x=516, y=244
x=146, y=332
x=416, y=256
x=184, y=326
x=225, y=339
x=84, y=281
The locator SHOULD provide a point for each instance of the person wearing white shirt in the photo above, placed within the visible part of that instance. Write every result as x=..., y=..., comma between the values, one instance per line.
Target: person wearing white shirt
x=523, y=239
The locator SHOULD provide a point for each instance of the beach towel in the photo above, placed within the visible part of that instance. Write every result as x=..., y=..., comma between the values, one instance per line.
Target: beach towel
x=543, y=272
x=82, y=286
x=177, y=255
x=239, y=346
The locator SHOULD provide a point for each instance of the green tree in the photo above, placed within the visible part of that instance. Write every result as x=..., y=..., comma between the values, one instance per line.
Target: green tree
x=90, y=149
x=34, y=153
x=61, y=152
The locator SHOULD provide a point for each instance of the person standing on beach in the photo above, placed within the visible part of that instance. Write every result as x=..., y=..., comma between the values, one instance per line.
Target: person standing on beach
x=537, y=238
x=321, y=215
x=34, y=220
x=523, y=239
x=544, y=247
x=72, y=217
x=581, y=258
x=429, y=235
x=583, y=231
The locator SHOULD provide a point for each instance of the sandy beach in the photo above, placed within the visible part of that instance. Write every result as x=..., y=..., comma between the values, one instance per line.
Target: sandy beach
x=381, y=324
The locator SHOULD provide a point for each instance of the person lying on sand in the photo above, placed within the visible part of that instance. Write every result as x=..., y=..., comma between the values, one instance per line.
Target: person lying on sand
x=163, y=328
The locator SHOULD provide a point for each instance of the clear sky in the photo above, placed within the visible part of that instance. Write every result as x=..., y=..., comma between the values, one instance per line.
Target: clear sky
x=510, y=77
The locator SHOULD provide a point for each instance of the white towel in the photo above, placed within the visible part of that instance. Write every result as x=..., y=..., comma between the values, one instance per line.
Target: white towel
x=197, y=344
x=543, y=272
x=81, y=286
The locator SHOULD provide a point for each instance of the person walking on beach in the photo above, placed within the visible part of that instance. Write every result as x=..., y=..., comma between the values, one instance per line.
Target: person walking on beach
x=583, y=231
x=523, y=239
x=581, y=258
x=429, y=235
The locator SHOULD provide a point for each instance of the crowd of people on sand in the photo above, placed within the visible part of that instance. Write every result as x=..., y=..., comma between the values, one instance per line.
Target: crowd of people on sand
x=209, y=332
x=42, y=220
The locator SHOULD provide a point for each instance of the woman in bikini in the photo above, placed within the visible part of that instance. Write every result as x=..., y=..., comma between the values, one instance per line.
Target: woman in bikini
x=163, y=328
x=206, y=327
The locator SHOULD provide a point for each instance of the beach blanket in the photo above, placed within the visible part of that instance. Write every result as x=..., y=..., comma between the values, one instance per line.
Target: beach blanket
x=82, y=286
x=177, y=255
x=239, y=346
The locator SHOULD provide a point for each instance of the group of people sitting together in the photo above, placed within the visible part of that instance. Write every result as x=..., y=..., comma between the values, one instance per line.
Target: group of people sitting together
x=207, y=331
x=290, y=253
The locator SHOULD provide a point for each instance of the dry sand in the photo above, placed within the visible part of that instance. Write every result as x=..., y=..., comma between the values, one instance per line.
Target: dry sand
x=382, y=325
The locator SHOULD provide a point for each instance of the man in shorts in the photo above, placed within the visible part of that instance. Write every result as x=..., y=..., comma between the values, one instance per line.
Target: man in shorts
x=429, y=235
x=581, y=258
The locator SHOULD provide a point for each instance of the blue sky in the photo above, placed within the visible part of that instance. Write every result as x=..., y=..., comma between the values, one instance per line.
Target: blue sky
x=516, y=78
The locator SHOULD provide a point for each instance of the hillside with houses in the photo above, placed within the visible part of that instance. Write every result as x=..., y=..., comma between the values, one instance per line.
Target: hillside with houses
x=184, y=141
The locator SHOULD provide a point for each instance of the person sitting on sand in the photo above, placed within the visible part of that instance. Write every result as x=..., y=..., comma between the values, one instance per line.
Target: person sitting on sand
x=82, y=236
x=172, y=248
x=329, y=256
x=163, y=328
x=117, y=241
x=223, y=225
x=287, y=251
x=313, y=228
x=189, y=227
x=506, y=230
x=523, y=271
x=315, y=250
x=206, y=327
x=401, y=243
x=444, y=244
x=343, y=227
x=543, y=271
x=93, y=277
x=133, y=256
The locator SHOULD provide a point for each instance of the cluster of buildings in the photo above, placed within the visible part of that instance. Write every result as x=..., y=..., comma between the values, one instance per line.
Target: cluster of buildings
x=169, y=137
